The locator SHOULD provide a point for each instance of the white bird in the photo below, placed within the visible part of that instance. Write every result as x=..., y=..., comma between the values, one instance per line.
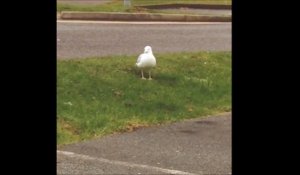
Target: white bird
x=146, y=61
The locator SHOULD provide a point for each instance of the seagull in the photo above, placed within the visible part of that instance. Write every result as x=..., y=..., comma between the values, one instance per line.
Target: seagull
x=146, y=61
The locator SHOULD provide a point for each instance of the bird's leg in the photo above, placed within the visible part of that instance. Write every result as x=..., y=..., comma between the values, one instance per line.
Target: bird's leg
x=143, y=74
x=150, y=75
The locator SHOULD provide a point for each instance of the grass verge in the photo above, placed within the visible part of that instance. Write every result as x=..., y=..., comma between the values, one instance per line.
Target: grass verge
x=117, y=5
x=114, y=6
x=98, y=96
x=155, y=2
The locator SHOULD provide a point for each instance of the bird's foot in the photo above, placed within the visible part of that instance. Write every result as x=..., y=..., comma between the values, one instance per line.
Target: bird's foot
x=143, y=78
x=150, y=78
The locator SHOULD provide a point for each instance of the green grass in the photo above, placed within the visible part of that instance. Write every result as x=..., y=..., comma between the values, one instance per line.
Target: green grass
x=98, y=96
x=155, y=2
x=114, y=6
x=117, y=5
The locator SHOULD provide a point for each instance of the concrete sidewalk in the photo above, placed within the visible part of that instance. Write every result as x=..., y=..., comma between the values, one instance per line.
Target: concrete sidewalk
x=196, y=146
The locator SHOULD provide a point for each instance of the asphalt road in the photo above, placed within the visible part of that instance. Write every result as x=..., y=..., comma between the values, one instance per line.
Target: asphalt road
x=85, y=39
x=197, y=146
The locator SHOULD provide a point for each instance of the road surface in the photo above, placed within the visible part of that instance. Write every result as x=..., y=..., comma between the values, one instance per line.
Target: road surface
x=198, y=146
x=81, y=39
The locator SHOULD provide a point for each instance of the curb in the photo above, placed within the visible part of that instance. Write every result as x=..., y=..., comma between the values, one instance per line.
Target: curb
x=193, y=6
x=105, y=16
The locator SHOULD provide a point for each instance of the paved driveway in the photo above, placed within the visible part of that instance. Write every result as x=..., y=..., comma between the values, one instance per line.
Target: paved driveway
x=197, y=146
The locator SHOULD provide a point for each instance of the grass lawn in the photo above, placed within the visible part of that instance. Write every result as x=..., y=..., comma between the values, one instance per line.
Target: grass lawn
x=117, y=5
x=98, y=96
x=114, y=6
x=155, y=2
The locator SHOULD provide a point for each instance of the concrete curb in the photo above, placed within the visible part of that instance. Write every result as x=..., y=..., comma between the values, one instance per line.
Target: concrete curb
x=107, y=16
x=193, y=6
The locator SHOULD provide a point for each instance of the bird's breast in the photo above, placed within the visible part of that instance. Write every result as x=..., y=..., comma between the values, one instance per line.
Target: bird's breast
x=147, y=61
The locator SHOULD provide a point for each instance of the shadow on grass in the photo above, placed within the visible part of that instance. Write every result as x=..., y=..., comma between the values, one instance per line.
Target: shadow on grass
x=167, y=79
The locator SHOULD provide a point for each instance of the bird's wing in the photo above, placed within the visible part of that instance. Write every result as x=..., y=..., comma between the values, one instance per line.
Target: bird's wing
x=139, y=58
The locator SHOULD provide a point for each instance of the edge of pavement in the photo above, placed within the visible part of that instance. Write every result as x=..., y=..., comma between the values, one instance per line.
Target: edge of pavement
x=121, y=16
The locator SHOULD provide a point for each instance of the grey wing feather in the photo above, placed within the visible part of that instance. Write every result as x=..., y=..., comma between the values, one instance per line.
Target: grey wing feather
x=139, y=58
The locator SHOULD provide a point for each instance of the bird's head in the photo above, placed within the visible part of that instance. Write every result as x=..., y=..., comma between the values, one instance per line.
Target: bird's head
x=147, y=49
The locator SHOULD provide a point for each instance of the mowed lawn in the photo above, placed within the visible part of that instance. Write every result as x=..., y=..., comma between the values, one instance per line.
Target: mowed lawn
x=99, y=96
x=118, y=5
